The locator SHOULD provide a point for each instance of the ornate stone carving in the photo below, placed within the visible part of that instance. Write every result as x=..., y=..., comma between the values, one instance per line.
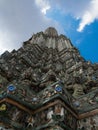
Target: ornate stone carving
x=48, y=75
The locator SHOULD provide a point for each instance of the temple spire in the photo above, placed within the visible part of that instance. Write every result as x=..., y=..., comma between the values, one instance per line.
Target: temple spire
x=50, y=38
x=51, y=31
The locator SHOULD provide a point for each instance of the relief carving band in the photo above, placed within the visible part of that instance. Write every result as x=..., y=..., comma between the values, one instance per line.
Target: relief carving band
x=47, y=85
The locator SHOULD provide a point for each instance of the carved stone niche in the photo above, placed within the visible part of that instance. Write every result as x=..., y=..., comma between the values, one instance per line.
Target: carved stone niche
x=48, y=79
x=49, y=114
x=30, y=121
x=58, y=67
x=16, y=114
x=78, y=88
x=59, y=110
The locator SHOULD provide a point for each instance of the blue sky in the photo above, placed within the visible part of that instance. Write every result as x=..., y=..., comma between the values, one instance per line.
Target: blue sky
x=78, y=20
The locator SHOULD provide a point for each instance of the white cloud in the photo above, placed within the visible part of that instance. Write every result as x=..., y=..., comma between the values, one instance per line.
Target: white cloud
x=89, y=15
x=85, y=10
x=18, y=21
x=43, y=4
x=8, y=41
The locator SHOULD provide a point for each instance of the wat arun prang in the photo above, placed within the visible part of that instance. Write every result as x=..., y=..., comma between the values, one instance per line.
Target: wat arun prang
x=48, y=85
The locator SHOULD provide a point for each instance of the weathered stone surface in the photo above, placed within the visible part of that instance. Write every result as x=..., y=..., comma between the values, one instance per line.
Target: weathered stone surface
x=47, y=68
x=51, y=31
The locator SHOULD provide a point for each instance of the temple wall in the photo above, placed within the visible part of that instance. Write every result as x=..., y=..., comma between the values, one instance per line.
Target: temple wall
x=55, y=128
x=90, y=123
x=55, y=115
x=51, y=42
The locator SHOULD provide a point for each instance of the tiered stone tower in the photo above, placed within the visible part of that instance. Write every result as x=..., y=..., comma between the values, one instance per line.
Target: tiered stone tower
x=47, y=85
